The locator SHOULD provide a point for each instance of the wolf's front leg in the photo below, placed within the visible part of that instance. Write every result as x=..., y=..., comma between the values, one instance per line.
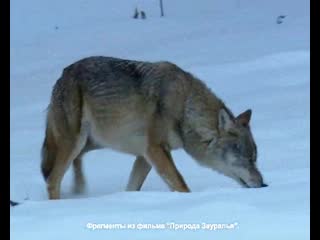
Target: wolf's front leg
x=164, y=165
x=139, y=172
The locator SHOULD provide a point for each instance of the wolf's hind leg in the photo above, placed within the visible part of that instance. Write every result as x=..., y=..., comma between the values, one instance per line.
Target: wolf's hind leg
x=62, y=162
x=79, y=179
x=67, y=151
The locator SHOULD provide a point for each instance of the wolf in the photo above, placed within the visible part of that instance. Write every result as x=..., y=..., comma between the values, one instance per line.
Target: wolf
x=145, y=109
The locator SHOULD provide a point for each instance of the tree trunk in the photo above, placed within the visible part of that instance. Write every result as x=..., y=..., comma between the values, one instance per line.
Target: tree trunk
x=161, y=8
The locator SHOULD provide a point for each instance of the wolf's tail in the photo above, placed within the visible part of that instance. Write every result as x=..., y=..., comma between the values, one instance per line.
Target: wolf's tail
x=48, y=153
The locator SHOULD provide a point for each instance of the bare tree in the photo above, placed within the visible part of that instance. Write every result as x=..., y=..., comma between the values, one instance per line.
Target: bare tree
x=136, y=13
x=143, y=15
x=161, y=8
x=280, y=19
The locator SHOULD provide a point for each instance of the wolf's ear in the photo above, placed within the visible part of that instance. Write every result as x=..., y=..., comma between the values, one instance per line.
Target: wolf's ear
x=244, y=118
x=225, y=120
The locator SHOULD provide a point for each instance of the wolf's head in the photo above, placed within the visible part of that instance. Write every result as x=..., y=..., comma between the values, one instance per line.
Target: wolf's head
x=235, y=153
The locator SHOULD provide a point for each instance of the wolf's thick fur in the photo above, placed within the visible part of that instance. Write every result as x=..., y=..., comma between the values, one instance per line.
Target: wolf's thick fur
x=145, y=109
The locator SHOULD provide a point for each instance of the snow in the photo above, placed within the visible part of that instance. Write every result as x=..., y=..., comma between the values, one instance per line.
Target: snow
x=236, y=47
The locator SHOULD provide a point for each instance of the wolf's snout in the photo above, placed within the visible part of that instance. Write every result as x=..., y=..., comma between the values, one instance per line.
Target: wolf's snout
x=262, y=185
x=252, y=179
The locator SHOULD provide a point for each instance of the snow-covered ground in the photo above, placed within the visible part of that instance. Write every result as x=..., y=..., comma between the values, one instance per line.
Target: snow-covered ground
x=236, y=47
